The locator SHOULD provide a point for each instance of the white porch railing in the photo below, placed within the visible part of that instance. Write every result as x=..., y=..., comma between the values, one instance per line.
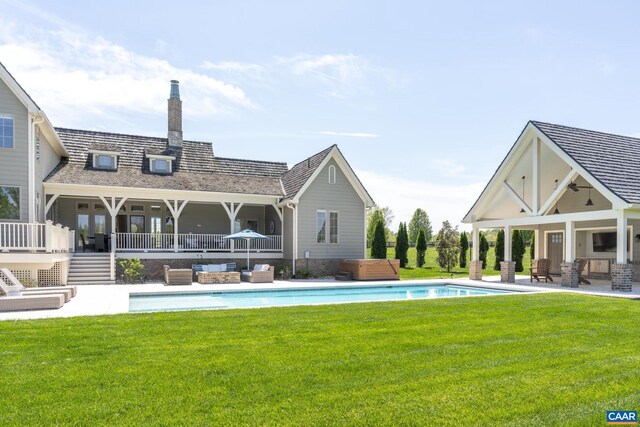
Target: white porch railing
x=35, y=237
x=165, y=242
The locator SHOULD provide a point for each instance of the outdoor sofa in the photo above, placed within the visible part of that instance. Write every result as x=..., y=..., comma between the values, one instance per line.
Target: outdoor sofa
x=177, y=276
x=261, y=273
x=216, y=273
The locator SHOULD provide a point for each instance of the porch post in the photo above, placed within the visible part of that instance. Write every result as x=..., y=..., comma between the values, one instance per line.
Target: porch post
x=539, y=243
x=621, y=270
x=570, y=276
x=475, y=266
x=175, y=211
x=507, y=267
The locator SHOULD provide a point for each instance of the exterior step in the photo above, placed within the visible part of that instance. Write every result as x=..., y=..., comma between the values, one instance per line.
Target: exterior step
x=344, y=275
x=90, y=268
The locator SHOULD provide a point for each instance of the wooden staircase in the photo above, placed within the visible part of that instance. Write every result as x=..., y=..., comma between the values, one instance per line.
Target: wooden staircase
x=90, y=268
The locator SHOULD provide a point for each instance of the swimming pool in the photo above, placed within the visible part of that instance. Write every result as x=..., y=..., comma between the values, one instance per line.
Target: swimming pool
x=282, y=297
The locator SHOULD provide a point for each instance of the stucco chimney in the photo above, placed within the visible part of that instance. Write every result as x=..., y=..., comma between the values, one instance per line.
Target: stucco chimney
x=175, y=117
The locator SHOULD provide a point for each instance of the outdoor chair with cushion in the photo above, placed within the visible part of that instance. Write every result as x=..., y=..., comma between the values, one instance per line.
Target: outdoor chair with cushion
x=12, y=302
x=261, y=273
x=85, y=244
x=68, y=291
x=177, y=276
x=99, y=242
x=540, y=269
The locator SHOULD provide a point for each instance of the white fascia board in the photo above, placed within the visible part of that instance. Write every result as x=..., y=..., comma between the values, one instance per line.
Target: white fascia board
x=81, y=190
x=498, y=177
x=52, y=137
x=348, y=172
x=160, y=157
x=105, y=152
x=548, y=219
x=616, y=201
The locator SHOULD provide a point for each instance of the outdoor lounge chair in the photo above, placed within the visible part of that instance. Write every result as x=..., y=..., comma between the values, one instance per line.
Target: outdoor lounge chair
x=540, y=269
x=12, y=302
x=177, y=276
x=68, y=291
x=261, y=273
x=582, y=263
x=99, y=242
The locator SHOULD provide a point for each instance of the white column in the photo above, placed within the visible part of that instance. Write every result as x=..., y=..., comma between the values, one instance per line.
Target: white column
x=475, y=239
x=621, y=238
x=507, y=243
x=569, y=239
x=539, y=244
x=535, y=196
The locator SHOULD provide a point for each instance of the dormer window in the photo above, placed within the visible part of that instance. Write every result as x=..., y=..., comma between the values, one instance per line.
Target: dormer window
x=107, y=160
x=160, y=164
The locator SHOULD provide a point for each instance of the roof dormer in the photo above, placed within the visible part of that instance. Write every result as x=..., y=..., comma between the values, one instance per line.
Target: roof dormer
x=105, y=159
x=160, y=163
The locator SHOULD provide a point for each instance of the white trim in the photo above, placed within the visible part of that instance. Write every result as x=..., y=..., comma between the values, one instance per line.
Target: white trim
x=547, y=219
x=346, y=169
x=326, y=221
x=152, y=166
x=47, y=207
x=558, y=192
x=242, y=255
x=19, y=219
x=105, y=152
x=332, y=174
x=160, y=156
x=338, y=231
x=13, y=129
x=517, y=198
x=96, y=155
x=535, y=182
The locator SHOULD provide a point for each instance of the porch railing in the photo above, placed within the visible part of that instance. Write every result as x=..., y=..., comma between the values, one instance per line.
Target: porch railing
x=36, y=237
x=165, y=242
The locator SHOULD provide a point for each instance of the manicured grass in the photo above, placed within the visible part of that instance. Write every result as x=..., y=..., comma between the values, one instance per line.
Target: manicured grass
x=432, y=270
x=547, y=359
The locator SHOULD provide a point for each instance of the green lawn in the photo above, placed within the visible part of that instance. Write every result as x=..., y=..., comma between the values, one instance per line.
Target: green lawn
x=547, y=359
x=432, y=270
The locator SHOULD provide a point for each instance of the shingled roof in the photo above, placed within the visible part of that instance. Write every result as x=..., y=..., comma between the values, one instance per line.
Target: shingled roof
x=614, y=160
x=195, y=167
x=294, y=179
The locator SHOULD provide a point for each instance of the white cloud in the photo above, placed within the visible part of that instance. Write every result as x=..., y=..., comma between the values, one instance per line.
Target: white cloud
x=349, y=134
x=448, y=168
x=341, y=75
x=69, y=71
x=403, y=196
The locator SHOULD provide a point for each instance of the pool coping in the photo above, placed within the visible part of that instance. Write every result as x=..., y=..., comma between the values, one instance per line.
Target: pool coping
x=95, y=300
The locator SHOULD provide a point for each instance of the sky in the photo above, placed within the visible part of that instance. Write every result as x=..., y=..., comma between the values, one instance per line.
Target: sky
x=423, y=98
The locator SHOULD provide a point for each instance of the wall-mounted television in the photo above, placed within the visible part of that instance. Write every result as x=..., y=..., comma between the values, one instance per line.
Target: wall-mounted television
x=604, y=242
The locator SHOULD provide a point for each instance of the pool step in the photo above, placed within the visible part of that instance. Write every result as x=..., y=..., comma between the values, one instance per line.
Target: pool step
x=344, y=276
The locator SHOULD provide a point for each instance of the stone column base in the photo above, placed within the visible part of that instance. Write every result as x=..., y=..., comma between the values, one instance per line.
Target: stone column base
x=508, y=271
x=621, y=277
x=475, y=270
x=570, y=275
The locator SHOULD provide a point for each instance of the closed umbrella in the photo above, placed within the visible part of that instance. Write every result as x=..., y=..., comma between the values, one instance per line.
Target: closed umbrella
x=247, y=235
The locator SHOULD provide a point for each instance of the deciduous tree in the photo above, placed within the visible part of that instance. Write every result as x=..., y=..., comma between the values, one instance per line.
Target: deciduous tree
x=420, y=220
x=447, y=246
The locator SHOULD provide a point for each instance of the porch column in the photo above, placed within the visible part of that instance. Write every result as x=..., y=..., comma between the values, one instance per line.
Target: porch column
x=570, y=276
x=475, y=266
x=175, y=211
x=232, y=211
x=539, y=244
x=621, y=270
x=113, y=208
x=507, y=267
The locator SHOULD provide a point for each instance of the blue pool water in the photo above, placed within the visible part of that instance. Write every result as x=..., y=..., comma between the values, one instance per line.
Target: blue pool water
x=272, y=298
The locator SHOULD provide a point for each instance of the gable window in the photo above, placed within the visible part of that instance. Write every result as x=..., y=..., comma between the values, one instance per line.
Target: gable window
x=160, y=163
x=6, y=131
x=321, y=226
x=107, y=161
x=332, y=174
x=9, y=203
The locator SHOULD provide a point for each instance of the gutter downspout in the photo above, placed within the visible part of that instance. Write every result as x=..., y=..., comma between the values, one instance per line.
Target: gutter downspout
x=294, y=242
x=36, y=118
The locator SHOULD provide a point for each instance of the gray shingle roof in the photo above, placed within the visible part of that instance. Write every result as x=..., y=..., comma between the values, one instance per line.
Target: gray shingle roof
x=195, y=167
x=294, y=179
x=614, y=160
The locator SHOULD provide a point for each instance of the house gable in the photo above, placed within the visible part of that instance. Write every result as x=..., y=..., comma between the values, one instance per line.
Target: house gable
x=547, y=170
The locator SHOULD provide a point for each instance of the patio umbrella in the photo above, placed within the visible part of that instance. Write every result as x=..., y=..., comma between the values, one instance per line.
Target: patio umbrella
x=247, y=235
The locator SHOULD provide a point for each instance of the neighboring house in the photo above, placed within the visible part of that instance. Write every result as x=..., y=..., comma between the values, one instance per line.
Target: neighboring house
x=164, y=200
x=579, y=190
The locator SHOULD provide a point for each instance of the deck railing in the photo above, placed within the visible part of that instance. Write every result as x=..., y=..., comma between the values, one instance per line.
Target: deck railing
x=166, y=242
x=35, y=237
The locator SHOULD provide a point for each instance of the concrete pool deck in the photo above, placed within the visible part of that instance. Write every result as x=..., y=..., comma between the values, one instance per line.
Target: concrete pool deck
x=95, y=300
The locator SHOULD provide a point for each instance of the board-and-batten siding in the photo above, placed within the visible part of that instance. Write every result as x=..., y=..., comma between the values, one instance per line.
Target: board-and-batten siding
x=14, y=161
x=340, y=197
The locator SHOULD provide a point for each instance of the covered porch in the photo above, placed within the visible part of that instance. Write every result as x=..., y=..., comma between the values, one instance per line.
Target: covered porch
x=182, y=222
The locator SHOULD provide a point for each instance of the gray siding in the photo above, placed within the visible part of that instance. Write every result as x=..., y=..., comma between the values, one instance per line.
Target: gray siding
x=13, y=161
x=46, y=160
x=339, y=197
x=287, y=234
